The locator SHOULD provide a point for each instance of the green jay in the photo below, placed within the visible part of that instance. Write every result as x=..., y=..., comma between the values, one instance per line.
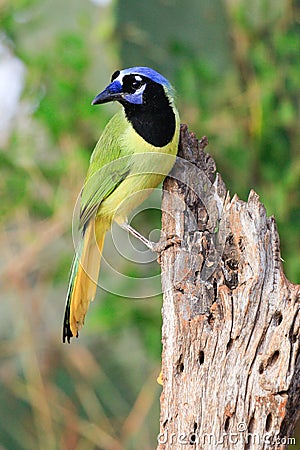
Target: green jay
x=135, y=152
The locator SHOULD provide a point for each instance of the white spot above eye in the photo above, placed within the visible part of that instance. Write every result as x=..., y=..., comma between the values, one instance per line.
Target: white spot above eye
x=123, y=73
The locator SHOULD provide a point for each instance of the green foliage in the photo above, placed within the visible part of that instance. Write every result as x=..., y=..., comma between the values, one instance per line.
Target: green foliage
x=13, y=185
x=63, y=85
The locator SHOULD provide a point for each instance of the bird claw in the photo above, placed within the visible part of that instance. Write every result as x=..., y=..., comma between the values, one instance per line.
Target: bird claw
x=164, y=244
x=156, y=247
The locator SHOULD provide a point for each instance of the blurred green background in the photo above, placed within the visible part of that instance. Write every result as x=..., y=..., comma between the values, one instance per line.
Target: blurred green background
x=236, y=68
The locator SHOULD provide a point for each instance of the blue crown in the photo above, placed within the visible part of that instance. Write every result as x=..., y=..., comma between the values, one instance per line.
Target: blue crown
x=150, y=73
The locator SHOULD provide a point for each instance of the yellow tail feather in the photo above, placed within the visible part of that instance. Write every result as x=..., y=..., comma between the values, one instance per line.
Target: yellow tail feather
x=84, y=277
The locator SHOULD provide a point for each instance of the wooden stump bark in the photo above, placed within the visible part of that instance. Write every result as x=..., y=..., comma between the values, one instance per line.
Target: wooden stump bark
x=230, y=361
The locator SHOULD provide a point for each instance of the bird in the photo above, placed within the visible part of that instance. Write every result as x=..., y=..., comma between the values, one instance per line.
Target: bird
x=135, y=152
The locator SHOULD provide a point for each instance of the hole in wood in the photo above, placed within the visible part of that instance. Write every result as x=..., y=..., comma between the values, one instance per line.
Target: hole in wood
x=273, y=358
x=231, y=279
x=270, y=362
x=251, y=425
x=250, y=435
x=269, y=422
x=277, y=318
x=201, y=357
x=232, y=264
x=241, y=244
x=230, y=239
x=180, y=366
x=215, y=286
x=229, y=345
x=292, y=335
x=226, y=424
x=211, y=320
x=195, y=426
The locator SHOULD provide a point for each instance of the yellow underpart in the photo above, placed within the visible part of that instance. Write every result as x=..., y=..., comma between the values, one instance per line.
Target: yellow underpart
x=147, y=167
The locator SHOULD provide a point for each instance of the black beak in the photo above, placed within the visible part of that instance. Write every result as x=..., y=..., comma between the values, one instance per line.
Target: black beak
x=112, y=93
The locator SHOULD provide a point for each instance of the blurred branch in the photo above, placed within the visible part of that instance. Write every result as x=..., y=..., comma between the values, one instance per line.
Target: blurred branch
x=140, y=409
x=45, y=233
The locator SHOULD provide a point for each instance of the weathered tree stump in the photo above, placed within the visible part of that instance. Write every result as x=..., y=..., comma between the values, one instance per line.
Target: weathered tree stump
x=230, y=361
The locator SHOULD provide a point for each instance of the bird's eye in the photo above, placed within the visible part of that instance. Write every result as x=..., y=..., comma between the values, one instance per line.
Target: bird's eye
x=132, y=83
x=136, y=84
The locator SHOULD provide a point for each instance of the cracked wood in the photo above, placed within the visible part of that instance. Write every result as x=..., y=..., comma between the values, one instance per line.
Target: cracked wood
x=230, y=361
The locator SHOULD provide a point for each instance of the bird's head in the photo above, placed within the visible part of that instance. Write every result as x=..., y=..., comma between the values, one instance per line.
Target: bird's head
x=148, y=101
x=137, y=86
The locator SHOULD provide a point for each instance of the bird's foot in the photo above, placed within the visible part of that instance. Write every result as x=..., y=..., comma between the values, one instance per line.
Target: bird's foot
x=165, y=243
x=156, y=247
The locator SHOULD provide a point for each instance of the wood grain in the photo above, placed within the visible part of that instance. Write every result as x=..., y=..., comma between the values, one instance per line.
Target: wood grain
x=230, y=361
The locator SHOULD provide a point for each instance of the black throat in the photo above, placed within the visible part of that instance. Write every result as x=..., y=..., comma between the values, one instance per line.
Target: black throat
x=154, y=120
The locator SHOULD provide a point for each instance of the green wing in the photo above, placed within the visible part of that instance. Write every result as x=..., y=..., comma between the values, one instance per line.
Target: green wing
x=109, y=165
